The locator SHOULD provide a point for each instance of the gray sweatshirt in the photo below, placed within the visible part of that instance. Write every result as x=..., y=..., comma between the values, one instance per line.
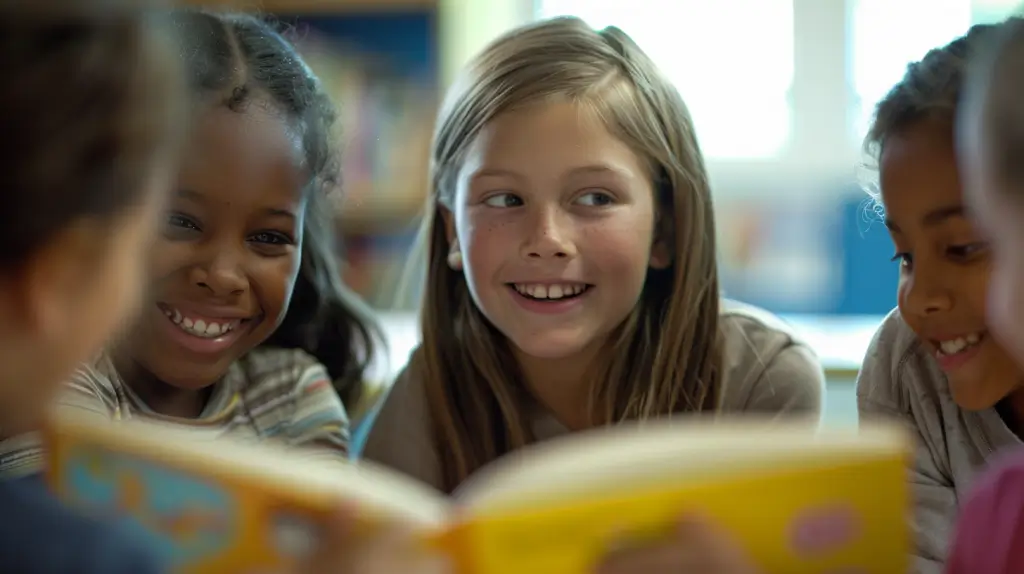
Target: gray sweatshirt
x=901, y=380
x=768, y=370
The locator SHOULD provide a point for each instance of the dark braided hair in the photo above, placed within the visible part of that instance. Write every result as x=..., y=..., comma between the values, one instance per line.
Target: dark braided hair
x=233, y=60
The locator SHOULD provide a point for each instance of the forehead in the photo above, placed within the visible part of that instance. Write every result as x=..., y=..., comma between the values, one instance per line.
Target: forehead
x=254, y=149
x=549, y=138
x=918, y=170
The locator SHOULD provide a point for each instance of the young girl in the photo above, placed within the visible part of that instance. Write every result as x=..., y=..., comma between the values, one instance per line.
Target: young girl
x=246, y=323
x=571, y=274
x=90, y=107
x=933, y=362
x=990, y=530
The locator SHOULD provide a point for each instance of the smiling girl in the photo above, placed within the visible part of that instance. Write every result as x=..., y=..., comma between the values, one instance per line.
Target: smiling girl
x=246, y=323
x=934, y=364
x=572, y=277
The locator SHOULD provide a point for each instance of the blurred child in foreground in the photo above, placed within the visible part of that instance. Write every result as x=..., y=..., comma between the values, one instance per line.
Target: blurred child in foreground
x=92, y=105
x=89, y=104
x=933, y=364
x=990, y=532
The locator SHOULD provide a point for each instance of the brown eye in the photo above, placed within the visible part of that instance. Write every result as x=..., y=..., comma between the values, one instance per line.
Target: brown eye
x=271, y=238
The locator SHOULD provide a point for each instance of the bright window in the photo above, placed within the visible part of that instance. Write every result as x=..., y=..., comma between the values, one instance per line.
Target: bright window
x=890, y=34
x=732, y=61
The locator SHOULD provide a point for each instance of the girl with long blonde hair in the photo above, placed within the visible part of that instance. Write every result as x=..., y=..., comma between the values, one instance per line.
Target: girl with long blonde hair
x=571, y=275
x=571, y=272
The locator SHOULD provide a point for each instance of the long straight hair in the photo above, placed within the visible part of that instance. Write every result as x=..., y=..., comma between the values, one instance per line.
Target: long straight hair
x=666, y=356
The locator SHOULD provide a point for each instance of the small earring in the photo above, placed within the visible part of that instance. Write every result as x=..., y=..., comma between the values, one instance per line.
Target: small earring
x=455, y=260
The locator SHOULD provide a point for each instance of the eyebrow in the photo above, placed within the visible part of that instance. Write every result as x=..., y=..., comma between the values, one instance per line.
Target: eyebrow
x=192, y=195
x=582, y=170
x=933, y=217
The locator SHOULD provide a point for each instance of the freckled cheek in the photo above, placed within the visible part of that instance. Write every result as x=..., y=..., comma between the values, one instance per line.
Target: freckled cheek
x=616, y=249
x=486, y=245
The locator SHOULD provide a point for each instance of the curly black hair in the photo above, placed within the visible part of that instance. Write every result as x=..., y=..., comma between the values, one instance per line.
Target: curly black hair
x=929, y=90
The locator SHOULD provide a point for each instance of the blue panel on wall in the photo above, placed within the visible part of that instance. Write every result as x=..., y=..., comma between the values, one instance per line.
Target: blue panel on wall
x=407, y=40
x=869, y=276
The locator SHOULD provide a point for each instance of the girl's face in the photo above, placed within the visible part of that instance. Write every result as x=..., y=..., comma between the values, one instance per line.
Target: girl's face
x=225, y=266
x=945, y=264
x=1000, y=210
x=554, y=218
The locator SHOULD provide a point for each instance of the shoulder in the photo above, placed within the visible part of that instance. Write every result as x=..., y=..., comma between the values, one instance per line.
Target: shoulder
x=401, y=432
x=404, y=405
x=94, y=386
x=267, y=373
x=269, y=362
x=766, y=366
x=755, y=327
x=897, y=369
x=287, y=386
x=990, y=527
x=86, y=545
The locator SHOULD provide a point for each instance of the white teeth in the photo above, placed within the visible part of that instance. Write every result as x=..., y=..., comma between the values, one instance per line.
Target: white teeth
x=199, y=327
x=560, y=291
x=958, y=345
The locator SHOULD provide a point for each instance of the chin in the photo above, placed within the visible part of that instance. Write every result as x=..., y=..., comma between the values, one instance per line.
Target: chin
x=551, y=348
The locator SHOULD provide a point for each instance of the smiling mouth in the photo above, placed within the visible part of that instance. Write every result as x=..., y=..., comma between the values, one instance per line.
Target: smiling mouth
x=205, y=328
x=958, y=345
x=550, y=292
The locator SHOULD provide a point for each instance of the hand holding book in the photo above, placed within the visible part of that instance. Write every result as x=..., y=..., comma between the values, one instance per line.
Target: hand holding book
x=394, y=549
x=697, y=546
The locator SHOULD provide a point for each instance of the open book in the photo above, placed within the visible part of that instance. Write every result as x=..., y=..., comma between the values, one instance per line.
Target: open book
x=800, y=501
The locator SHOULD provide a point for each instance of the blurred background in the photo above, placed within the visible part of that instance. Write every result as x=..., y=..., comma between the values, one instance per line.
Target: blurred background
x=781, y=92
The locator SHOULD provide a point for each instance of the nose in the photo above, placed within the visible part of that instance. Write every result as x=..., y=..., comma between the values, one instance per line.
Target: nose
x=222, y=273
x=926, y=292
x=548, y=236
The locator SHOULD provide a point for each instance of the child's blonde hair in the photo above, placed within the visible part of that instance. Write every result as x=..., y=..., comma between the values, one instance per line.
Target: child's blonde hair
x=666, y=355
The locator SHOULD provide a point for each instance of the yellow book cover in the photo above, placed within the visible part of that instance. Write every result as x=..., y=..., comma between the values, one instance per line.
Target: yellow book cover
x=799, y=499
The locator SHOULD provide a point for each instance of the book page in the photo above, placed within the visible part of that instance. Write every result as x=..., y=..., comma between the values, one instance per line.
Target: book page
x=307, y=476
x=635, y=455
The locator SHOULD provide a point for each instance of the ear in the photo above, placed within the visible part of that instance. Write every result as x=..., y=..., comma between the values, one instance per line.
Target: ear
x=454, y=252
x=661, y=247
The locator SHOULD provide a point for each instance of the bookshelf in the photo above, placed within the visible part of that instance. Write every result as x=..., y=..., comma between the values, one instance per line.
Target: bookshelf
x=307, y=7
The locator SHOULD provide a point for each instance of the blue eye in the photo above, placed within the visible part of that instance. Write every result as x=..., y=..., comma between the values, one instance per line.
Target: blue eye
x=595, y=199
x=503, y=200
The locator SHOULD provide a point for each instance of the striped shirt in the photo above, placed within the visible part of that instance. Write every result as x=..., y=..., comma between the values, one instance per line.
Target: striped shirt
x=270, y=394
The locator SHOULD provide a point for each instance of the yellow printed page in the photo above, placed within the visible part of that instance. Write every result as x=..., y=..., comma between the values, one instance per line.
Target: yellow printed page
x=816, y=520
x=219, y=507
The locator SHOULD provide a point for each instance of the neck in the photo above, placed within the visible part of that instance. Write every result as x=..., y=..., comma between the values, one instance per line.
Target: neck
x=563, y=385
x=159, y=396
